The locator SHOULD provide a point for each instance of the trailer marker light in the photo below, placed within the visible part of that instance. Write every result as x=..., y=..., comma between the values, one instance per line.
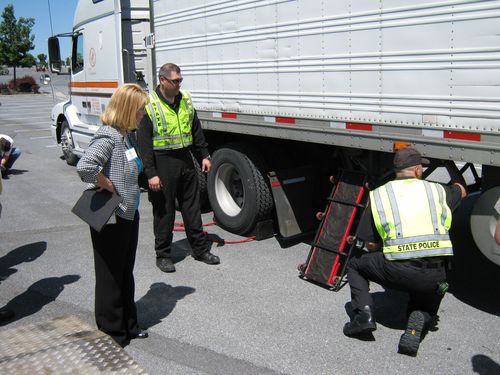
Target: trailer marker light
x=224, y=115
x=400, y=145
x=462, y=136
x=446, y=134
x=358, y=126
x=285, y=120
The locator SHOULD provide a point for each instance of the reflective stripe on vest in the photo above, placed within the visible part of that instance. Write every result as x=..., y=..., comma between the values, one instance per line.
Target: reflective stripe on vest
x=412, y=218
x=171, y=130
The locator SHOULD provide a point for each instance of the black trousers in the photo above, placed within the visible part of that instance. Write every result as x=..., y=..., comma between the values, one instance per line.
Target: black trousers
x=179, y=180
x=420, y=283
x=114, y=257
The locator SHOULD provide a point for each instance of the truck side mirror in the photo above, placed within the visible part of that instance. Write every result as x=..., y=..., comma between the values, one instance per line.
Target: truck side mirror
x=45, y=79
x=55, y=62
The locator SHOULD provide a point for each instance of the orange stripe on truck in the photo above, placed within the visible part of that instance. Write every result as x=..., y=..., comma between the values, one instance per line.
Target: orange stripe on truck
x=104, y=85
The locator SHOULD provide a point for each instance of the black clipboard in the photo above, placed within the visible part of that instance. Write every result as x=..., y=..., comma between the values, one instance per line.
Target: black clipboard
x=96, y=207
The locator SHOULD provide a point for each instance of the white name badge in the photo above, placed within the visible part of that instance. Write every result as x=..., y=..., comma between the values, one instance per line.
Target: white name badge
x=131, y=154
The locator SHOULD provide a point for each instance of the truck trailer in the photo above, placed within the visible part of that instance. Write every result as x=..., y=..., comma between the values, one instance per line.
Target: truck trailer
x=292, y=91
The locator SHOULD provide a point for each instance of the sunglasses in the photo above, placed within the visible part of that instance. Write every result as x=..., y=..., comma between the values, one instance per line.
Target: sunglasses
x=175, y=82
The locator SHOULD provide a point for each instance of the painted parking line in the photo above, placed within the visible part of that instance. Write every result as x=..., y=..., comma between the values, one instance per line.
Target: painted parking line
x=28, y=118
x=31, y=130
x=44, y=137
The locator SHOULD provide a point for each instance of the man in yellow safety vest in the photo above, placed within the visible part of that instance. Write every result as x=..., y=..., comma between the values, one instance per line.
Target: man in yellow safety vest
x=409, y=218
x=167, y=136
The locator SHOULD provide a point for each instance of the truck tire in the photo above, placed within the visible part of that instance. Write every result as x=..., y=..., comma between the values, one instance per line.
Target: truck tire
x=202, y=186
x=67, y=144
x=238, y=190
x=483, y=220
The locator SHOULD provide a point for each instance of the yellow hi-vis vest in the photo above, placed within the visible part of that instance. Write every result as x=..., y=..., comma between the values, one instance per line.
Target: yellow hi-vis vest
x=171, y=130
x=413, y=219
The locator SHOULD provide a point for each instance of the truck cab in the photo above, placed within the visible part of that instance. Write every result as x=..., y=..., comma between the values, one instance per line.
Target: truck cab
x=107, y=51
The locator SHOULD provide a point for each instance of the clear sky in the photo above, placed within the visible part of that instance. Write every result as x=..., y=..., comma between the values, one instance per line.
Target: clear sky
x=62, y=20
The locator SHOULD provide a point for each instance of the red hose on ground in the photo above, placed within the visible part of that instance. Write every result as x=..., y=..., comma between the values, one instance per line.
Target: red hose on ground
x=180, y=224
x=179, y=227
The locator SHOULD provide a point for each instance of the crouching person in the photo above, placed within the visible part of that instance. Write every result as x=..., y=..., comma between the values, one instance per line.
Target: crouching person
x=409, y=220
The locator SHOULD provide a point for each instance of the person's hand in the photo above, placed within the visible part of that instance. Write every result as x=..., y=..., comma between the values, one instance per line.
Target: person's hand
x=105, y=183
x=206, y=165
x=155, y=183
x=456, y=177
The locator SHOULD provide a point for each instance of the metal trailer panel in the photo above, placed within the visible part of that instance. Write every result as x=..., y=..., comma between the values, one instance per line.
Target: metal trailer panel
x=427, y=65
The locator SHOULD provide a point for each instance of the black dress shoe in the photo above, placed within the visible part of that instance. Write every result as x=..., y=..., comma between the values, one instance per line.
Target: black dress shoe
x=165, y=264
x=363, y=322
x=142, y=334
x=208, y=258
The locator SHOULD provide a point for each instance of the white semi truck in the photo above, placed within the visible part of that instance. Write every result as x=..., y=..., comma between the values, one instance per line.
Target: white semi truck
x=289, y=91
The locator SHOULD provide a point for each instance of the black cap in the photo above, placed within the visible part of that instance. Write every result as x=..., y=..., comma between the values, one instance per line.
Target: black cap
x=408, y=157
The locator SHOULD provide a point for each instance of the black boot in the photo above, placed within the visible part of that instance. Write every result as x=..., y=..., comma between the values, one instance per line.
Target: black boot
x=410, y=339
x=362, y=322
x=165, y=264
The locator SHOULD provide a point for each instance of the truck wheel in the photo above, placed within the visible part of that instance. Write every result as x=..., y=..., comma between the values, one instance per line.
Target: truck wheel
x=238, y=191
x=202, y=186
x=67, y=144
x=483, y=221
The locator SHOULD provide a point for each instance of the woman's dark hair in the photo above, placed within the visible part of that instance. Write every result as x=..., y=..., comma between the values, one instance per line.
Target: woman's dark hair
x=4, y=145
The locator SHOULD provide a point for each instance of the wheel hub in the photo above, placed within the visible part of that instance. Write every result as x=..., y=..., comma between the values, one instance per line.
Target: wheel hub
x=229, y=189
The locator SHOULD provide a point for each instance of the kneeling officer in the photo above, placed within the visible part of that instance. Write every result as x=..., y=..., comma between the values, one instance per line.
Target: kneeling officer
x=410, y=219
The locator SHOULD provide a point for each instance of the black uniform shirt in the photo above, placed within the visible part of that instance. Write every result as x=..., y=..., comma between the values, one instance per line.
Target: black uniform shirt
x=367, y=230
x=145, y=138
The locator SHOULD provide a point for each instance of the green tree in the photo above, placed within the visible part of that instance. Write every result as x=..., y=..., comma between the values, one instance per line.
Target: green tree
x=68, y=61
x=42, y=57
x=15, y=38
x=28, y=61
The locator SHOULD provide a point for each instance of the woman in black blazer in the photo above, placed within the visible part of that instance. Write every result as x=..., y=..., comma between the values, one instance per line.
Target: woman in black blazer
x=111, y=162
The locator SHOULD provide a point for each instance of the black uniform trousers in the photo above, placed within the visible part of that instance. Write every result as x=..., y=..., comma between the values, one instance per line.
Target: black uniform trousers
x=420, y=283
x=179, y=179
x=114, y=257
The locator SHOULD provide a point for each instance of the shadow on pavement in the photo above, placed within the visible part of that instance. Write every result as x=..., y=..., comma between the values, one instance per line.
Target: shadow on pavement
x=15, y=172
x=390, y=308
x=484, y=365
x=22, y=254
x=180, y=250
x=473, y=279
x=159, y=302
x=37, y=296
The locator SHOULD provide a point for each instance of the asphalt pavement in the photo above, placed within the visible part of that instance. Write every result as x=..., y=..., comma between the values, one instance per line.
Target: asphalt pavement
x=251, y=314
